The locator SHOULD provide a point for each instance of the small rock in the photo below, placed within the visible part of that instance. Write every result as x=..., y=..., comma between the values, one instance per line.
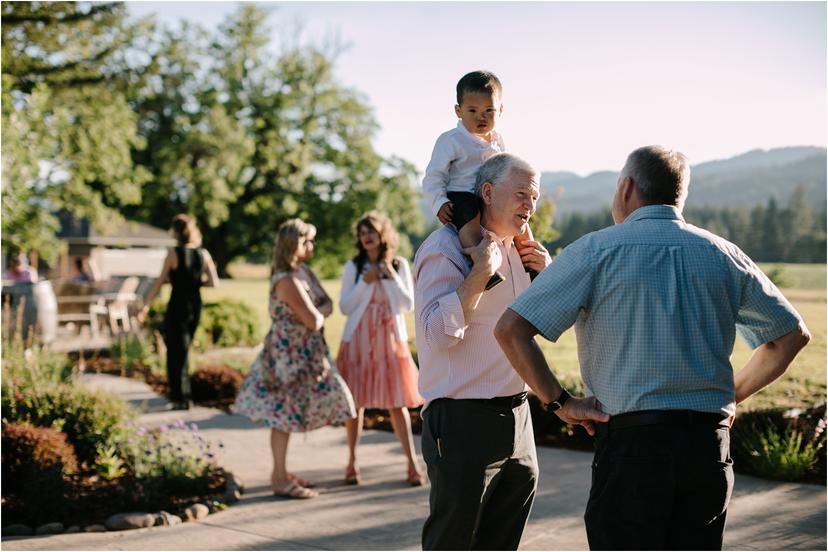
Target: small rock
x=173, y=520
x=130, y=520
x=231, y=495
x=73, y=529
x=95, y=528
x=166, y=519
x=196, y=511
x=17, y=530
x=49, y=529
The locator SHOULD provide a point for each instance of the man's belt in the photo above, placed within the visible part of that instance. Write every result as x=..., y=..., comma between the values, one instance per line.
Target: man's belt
x=512, y=401
x=667, y=417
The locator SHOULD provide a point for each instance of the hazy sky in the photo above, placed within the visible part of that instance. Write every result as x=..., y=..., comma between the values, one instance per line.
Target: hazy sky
x=584, y=83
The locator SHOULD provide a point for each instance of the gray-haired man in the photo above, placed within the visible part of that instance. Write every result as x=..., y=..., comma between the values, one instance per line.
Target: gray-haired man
x=656, y=304
x=477, y=432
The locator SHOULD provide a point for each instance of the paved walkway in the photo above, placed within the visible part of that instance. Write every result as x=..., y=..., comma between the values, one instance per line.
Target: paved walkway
x=386, y=514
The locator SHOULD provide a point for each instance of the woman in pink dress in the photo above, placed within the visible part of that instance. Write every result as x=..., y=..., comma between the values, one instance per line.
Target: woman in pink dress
x=374, y=359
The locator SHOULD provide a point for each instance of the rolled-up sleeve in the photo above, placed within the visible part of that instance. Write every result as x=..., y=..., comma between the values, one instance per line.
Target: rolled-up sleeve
x=439, y=313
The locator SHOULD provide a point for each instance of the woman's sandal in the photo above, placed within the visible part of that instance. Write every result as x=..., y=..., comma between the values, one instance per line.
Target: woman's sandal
x=352, y=476
x=299, y=481
x=294, y=490
x=415, y=478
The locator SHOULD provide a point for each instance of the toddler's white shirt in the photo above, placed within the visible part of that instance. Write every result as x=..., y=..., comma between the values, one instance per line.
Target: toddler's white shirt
x=455, y=160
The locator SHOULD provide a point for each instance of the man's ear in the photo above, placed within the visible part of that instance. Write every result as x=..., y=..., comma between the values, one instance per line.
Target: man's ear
x=486, y=193
x=457, y=111
x=627, y=189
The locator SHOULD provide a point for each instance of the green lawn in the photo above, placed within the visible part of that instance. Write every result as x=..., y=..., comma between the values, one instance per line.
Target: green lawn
x=803, y=384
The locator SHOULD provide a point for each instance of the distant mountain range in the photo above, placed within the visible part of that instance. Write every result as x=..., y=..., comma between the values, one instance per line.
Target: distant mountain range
x=745, y=180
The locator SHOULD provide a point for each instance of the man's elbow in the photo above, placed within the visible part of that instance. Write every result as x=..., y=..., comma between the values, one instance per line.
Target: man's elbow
x=802, y=336
x=792, y=342
x=505, y=328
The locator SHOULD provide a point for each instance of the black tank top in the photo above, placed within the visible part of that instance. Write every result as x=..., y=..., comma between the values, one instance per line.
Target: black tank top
x=185, y=298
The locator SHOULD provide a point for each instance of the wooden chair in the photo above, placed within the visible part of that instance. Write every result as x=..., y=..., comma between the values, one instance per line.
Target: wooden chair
x=118, y=305
x=80, y=304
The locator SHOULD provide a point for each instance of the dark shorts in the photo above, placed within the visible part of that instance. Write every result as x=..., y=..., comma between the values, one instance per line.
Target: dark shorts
x=466, y=207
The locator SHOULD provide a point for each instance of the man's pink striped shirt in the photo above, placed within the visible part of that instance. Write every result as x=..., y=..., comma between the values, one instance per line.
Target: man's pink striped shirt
x=460, y=358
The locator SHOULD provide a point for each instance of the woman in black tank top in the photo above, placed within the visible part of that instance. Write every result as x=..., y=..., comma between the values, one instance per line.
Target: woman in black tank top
x=184, y=267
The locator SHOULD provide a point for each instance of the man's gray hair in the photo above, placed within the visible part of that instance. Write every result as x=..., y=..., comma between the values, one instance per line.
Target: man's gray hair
x=661, y=176
x=498, y=167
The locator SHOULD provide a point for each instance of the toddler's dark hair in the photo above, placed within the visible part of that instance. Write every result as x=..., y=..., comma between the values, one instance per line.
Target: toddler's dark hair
x=478, y=81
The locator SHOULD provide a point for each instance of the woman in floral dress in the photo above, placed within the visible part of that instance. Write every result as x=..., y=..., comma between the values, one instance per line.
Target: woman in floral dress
x=374, y=358
x=293, y=385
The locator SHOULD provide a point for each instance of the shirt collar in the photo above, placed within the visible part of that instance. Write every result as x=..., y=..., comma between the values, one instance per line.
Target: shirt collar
x=655, y=212
x=505, y=242
x=477, y=139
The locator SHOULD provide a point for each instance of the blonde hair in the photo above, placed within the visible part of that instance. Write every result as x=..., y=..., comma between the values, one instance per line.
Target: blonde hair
x=185, y=230
x=287, y=242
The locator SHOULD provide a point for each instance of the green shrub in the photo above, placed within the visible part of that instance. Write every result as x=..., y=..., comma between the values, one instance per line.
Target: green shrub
x=88, y=418
x=108, y=463
x=224, y=323
x=30, y=367
x=779, y=452
x=780, y=277
x=215, y=383
x=227, y=323
x=36, y=462
x=131, y=351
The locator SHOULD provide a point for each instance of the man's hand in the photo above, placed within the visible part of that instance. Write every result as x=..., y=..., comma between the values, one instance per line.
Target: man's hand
x=485, y=255
x=444, y=215
x=371, y=275
x=534, y=255
x=583, y=411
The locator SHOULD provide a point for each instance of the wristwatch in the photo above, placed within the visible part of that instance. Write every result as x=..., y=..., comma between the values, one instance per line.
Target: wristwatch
x=558, y=403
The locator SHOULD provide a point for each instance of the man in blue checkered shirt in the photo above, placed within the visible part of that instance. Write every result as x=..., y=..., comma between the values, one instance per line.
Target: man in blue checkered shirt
x=656, y=305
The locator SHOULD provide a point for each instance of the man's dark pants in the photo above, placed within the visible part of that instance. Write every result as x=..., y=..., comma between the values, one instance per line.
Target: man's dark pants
x=483, y=469
x=664, y=486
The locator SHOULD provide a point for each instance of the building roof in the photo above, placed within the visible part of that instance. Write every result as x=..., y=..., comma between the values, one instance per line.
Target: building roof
x=119, y=234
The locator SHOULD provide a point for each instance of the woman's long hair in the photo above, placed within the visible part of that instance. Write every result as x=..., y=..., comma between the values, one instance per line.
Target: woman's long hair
x=287, y=242
x=379, y=222
x=185, y=231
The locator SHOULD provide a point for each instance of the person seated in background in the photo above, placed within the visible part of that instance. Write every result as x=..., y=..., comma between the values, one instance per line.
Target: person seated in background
x=19, y=271
x=84, y=271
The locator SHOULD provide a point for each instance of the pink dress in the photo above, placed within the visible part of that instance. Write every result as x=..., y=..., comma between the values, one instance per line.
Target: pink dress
x=375, y=364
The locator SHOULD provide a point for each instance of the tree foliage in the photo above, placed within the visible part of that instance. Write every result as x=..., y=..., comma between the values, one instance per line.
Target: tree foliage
x=244, y=138
x=766, y=233
x=68, y=132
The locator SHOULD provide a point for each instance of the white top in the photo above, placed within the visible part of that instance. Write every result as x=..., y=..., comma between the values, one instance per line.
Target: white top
x=457, y=156
x=460, y=358
x=356, y=295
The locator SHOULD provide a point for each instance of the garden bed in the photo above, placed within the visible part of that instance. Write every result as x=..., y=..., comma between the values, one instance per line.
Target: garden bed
x=74, y=457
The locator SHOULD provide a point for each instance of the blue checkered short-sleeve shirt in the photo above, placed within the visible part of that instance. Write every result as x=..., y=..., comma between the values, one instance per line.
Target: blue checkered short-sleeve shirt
x=656, y=304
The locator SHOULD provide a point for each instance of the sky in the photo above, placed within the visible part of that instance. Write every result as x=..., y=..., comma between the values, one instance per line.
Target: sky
x=584, y=83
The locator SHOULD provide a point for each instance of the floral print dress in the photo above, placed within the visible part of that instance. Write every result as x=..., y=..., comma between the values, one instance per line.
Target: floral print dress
x=293, y=384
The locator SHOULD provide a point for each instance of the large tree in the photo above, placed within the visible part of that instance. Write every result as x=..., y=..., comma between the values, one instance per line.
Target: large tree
x=68, y=132
x=244, y=138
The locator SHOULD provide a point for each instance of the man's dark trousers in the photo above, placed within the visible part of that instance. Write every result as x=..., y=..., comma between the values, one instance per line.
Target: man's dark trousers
x=483, y=469
x=660, y=487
